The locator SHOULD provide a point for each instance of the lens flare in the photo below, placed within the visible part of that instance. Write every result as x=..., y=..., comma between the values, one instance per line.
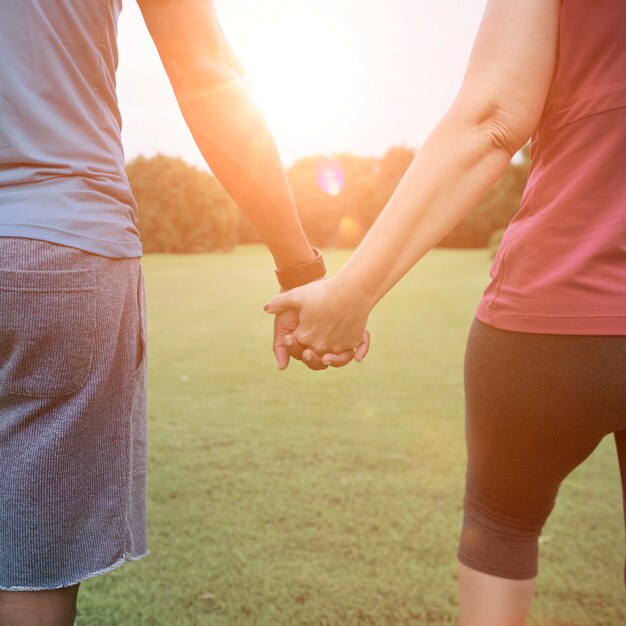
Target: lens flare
x=350, y=232
x=330, y=176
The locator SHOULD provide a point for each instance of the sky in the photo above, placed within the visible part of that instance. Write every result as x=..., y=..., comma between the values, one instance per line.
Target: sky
x=332, y=76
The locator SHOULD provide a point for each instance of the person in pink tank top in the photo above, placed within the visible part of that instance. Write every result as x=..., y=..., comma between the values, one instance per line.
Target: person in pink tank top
x=560, y=268
x=545, y=368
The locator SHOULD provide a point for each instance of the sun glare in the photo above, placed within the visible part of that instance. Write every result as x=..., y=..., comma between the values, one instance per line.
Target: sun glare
x=303, y=72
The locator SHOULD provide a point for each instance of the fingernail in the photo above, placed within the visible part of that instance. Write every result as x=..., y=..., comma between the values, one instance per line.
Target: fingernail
x=266, y=308
x=288, y=340
x=307, y=356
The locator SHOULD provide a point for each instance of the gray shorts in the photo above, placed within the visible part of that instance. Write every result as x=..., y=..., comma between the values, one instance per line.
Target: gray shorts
x=72, y=414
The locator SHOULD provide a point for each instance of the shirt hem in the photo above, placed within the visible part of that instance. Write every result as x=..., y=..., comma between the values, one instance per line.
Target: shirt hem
x=606, y=325
x=113, y=249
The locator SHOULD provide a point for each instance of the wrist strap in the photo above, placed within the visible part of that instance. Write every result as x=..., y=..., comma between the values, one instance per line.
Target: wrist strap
x=296, y=275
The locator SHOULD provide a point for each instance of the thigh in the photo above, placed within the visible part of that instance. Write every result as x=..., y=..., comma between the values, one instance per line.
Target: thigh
x=536, y=407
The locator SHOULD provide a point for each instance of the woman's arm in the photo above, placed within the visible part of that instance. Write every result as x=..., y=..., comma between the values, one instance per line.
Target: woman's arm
x=497, y=109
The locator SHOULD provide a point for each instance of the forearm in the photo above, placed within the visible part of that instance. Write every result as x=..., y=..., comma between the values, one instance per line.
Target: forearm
x=237, y=144
x=456, y=166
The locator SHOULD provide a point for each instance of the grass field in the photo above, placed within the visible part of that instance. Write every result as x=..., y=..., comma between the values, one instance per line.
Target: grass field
x=327, y=498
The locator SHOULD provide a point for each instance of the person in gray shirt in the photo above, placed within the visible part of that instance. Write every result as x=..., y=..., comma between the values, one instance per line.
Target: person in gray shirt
x=73, y=349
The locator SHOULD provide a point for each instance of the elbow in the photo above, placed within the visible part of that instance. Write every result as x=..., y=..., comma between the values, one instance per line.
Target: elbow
x=502, y=129
x=198, y=75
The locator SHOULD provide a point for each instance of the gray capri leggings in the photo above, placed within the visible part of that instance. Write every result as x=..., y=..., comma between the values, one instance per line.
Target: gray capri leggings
x=536, y=407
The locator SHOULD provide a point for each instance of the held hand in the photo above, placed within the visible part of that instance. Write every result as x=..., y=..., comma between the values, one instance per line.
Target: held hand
x=331, y=321
x=339, y=360
x=285, y=346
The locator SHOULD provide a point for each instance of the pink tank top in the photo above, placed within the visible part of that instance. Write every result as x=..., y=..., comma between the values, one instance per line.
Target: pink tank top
x=561, y=267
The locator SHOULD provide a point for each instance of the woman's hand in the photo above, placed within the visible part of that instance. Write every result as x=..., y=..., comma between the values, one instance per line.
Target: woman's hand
x=331, y=321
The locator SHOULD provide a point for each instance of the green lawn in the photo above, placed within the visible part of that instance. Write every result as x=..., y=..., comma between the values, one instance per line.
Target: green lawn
x=327, y=498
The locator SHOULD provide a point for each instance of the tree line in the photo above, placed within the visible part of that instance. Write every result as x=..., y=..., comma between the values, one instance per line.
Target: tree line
x=183, y=209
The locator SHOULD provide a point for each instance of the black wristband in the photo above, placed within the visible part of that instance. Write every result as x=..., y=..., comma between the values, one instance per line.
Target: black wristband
x=296, y=275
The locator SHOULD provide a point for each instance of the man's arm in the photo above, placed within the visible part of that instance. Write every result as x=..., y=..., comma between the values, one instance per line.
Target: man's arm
x=227, y=125
x=230, y=131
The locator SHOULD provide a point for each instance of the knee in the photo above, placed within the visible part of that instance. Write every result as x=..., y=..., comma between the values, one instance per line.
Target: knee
x=501, y=538
x=39, y=608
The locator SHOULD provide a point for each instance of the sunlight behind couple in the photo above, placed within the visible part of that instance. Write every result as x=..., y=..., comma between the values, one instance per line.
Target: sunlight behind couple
x=304, y=72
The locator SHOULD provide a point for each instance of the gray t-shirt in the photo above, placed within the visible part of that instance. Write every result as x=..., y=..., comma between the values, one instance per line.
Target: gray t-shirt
x=62, y=175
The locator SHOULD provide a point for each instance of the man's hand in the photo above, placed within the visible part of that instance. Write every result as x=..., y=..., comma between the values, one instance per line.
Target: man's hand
x=284, y=324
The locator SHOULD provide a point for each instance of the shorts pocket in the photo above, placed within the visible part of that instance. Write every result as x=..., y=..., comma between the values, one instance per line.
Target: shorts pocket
x=47, y=331
x=140, y=340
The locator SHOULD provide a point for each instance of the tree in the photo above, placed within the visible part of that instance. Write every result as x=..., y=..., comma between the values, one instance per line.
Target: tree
x=181, y=209
x=338, y=199
x=341, y=215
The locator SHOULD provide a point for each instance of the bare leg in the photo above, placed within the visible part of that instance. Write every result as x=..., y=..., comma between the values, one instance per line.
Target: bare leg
x=39, y=608
x=486, y=600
